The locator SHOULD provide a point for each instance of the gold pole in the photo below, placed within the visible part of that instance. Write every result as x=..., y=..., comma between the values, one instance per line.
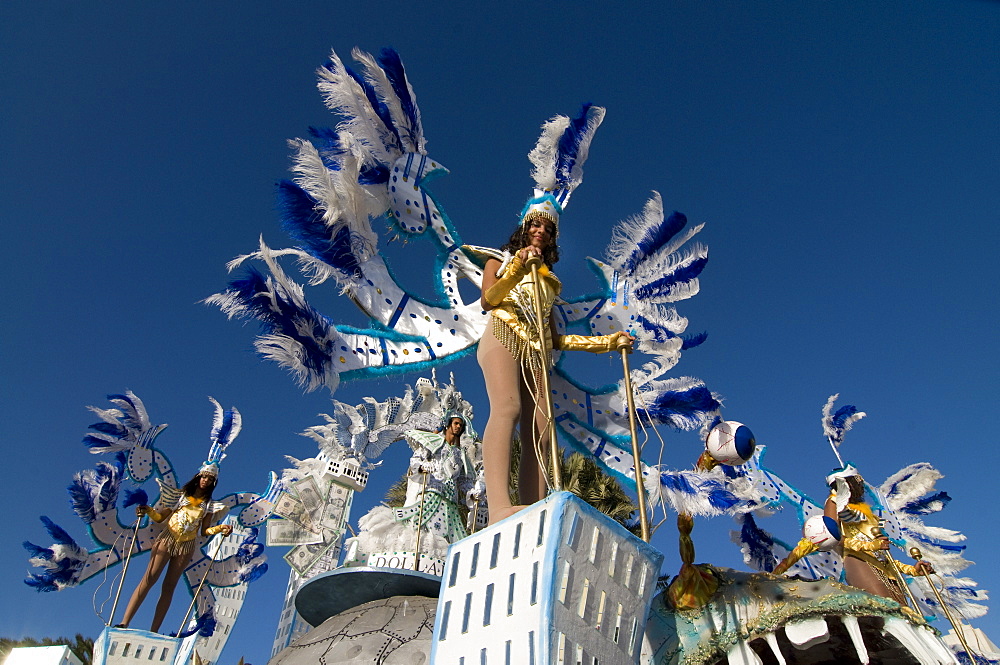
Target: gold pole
x=128, y=557
x=640, y=488
x=420, y=519
x=218, y=548
x=916, y=554
x=533, y=263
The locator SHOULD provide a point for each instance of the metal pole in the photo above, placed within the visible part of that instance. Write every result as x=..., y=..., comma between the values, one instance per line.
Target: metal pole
x=916, y=554
x=880, y=533
x=640, y=488
x=420, y=519
x=128, y=557
x=533, y=263
x=218, y=548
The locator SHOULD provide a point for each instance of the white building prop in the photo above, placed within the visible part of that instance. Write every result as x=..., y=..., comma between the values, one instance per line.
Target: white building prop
x=558, y=582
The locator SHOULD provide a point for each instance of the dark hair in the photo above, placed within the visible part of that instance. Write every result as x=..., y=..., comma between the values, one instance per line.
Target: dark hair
x=193, y=487
x=519, y=240
x=460, y=419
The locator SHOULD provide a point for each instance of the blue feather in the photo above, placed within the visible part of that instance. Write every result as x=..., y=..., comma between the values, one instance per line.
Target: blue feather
x=759, y=544
x=254, y=573
x=58, y=533
x=677, y=482
x=569, y=145
x=327, y=144
x=842, y=414
x=691, y=341
x=81, y=498
x=660, y=332
x=304, y=223
x=204, y=626
x=135, y=497
x=721, y=498
x=110, y=479
x=653, y=239
x=287, y=321
x=392, y=65
x=681, y=409
x=681, y=275
x=114, y=429
x=381, y=110
x=41, y=582
x=38, y=552
x=128, y=419
x=927, y=505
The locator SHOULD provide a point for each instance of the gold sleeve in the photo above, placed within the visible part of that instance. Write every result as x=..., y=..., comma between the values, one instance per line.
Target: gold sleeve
x=212, y=530
x=515, y=271
x=591, y=343
x=153, y=515
x=861, y=545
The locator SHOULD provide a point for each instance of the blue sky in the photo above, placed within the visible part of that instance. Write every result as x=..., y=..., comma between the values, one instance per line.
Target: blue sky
x=844, y=158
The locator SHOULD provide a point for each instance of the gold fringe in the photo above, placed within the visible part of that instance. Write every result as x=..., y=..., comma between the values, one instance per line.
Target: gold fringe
x=172, y=546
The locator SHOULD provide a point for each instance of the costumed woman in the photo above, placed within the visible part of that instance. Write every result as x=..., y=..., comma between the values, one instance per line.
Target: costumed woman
x=865, y=546
x=439, y=478
x=512, y=360
x=191, y=515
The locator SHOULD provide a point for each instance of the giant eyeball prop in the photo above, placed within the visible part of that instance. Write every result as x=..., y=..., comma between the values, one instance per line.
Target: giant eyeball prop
x=730, y=443
x=822, y=531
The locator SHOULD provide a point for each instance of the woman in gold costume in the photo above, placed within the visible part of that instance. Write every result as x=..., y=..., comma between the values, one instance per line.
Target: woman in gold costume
x=867, y=562
x=512, y=359
x=172, y=549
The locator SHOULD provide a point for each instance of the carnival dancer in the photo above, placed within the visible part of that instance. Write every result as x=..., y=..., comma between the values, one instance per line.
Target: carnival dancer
x=439, y=479
x=191, y=516
x=512, y=359
x=867, y=562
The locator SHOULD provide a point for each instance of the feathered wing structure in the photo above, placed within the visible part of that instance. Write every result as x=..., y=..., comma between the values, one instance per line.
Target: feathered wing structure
x=126, y=427
x=374, y=165
x=364, y=431
x=910, y=495
x=126, y=432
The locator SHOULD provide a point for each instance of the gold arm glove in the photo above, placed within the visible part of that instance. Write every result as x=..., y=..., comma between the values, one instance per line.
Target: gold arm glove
x=511, y=276
x=153, y=515
x=212, y=530
x=591, y=343
x=861, y=545
x=907, y=569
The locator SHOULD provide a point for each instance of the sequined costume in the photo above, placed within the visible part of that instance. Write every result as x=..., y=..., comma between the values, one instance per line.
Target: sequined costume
x=440, y=476
x=183, y=526
x=861, y=531
x=513, y=321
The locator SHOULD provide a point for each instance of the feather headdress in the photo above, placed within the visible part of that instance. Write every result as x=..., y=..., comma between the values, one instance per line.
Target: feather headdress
x=558, y=158
x=226, y=427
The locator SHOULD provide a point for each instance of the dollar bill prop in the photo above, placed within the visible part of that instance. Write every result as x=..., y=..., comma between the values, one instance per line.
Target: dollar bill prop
x=309, y=519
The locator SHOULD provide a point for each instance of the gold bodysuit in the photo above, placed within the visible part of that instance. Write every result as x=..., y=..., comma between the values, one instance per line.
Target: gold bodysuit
x=513, y=319
x=860, y=533
x=183, y=526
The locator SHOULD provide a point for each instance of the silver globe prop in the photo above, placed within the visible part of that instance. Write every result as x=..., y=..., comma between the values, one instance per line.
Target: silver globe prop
x=625, y=348
x=550, y=423
x=918, y=556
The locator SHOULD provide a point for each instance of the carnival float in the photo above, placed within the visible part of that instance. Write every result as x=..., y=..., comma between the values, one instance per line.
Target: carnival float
x=440, y=578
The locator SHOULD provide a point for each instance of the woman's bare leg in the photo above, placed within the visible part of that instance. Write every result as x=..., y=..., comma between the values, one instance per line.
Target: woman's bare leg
x=174, y=572
x=157, y=561
x=532, y=473
x=503, y=379
x=861, y=575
